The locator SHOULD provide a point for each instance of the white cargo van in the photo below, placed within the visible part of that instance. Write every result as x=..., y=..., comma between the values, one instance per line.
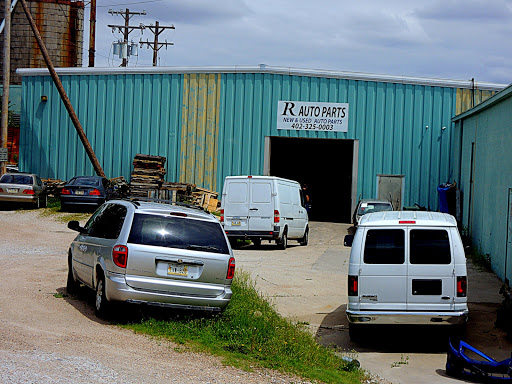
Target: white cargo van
x=264, y=208
x=406, y=267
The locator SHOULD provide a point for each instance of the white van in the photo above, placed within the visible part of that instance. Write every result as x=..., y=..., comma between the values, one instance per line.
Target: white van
x=406, y=267
x=264, y=208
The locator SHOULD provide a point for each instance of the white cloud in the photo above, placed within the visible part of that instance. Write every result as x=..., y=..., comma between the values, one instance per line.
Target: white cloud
x=443, y=39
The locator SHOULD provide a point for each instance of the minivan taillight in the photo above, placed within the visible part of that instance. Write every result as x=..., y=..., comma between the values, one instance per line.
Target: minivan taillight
x=222, y=215
x=462, y=286
x=276, y=216
x=231, y=268
x=352, y=285
x=120, y=255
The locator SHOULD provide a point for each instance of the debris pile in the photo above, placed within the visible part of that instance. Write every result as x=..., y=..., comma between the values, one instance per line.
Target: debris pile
x=120, y=188
x=53, y=186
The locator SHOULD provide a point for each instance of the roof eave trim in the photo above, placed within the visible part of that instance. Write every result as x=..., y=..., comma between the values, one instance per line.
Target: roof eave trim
x=265, y=70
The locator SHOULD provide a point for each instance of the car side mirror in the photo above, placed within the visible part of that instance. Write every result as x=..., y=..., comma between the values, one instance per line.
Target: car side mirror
x=75, y=226
x=349, y=239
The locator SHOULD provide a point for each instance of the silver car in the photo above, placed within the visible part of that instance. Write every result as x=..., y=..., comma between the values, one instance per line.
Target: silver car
x=23, y=188
x=152, y=253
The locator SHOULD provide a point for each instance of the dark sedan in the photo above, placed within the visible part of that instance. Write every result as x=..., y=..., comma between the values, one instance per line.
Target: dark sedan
x=85, y=191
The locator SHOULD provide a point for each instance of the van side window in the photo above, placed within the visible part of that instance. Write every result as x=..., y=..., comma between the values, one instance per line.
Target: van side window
x=384, y=246
x=430, y=246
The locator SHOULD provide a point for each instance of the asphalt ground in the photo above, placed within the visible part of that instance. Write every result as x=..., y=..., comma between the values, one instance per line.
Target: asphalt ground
x=309, y=284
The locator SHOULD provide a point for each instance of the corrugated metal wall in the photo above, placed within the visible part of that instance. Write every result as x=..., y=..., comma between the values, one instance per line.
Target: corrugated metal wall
x=209, y=126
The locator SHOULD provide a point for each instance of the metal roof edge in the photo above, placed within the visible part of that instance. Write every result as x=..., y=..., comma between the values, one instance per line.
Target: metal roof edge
x=503, y=94
x=262, y=68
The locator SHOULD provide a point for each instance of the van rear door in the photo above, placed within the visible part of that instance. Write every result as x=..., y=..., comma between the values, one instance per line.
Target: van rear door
x=261, y=206
x=236, y=204
x=431, y=275
x=383, y=272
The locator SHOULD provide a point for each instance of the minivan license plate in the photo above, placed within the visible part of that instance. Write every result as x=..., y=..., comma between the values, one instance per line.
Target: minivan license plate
x=177, y=269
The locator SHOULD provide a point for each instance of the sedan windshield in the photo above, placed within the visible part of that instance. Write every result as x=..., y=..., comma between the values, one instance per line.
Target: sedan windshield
x=16, y=179
x=374, y=207
x=85, y=181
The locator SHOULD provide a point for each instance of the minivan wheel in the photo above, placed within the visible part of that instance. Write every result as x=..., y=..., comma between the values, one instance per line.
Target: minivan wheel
x=284, y=241
x=101, y=304
x=305, y=238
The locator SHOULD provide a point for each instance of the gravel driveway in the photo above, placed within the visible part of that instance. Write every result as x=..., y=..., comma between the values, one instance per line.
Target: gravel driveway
x=49, y=339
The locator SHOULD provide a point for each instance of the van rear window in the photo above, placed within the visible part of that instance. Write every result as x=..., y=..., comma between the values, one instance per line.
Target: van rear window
x=430, y=246
x=384, y=246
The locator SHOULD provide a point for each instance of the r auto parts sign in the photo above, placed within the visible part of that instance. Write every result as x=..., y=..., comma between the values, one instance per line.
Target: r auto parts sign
x=312, y=116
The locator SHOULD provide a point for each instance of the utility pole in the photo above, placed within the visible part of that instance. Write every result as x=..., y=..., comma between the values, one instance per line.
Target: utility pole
x=92, y=33
x=6, y=80
x=156, y=30
x=126, y=29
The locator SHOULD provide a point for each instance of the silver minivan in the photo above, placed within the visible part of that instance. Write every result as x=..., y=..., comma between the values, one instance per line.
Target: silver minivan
x=152, y=253
x=406, y=267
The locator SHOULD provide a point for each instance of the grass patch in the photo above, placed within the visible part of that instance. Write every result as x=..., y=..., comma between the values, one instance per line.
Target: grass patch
x=250, y=333
x=53, y=208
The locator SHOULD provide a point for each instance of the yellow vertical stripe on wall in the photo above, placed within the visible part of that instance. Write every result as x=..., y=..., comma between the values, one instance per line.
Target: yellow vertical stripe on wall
x=199, y=130
x=465, y=99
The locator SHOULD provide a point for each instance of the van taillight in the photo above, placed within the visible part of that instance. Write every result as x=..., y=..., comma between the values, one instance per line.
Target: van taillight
x=462, y=286
x=120, y=255
x=276, y=216
x=231, y=268
x=222, y=215
x=352, y=285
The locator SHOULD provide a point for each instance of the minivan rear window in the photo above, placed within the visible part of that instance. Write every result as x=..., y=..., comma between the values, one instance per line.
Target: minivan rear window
x=384, y=246
x=430, y=246
x=176, y=232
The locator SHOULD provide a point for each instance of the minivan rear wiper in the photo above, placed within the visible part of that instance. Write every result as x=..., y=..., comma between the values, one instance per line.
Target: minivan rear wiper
x=204, y=248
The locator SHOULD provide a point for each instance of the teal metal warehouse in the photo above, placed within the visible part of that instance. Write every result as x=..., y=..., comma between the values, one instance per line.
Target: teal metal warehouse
x=484, y=138
x=213, y=122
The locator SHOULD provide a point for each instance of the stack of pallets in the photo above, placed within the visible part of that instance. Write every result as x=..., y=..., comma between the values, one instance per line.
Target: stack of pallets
x=148, y=174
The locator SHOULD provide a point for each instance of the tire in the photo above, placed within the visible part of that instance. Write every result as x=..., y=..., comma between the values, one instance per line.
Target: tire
x=354, y=332
x=283, y=242
x=101, y=304
x=45, y=201
x=71, y=284
x=37, y=203
x=305, y=238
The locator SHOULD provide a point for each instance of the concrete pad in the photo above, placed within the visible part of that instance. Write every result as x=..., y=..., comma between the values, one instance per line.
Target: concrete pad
x=309, y=284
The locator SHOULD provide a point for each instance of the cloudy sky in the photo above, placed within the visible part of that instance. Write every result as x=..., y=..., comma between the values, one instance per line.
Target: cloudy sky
x=447, y=39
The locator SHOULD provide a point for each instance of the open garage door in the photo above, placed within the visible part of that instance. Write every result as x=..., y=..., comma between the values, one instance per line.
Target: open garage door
x=325, y=166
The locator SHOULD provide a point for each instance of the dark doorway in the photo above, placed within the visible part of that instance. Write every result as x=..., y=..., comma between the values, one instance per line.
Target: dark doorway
x=324, y=165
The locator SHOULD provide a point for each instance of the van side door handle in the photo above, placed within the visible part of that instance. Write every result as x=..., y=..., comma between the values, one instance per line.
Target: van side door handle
x=445, y=297
x=253, y=209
